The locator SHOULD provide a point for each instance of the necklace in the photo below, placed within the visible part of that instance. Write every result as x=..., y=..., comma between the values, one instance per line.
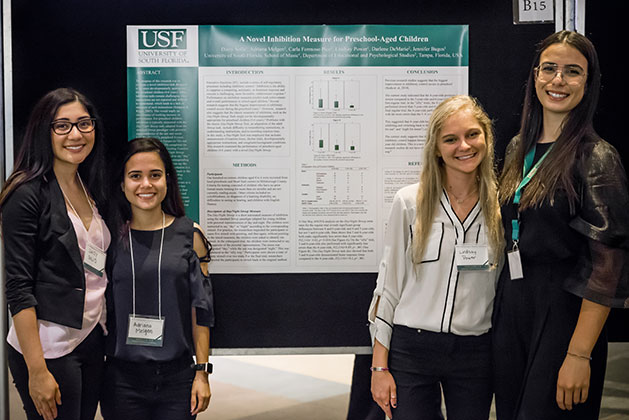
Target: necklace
x=461, y=200
x=87, y=197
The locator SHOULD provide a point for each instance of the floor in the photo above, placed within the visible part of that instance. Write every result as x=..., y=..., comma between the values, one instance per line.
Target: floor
x=316, y=387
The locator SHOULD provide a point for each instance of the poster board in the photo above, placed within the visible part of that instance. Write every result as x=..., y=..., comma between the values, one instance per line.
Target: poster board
x=291, y=141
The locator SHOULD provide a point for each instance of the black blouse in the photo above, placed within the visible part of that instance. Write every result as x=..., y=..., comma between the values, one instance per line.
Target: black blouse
x=183, y=286
x=594, y=239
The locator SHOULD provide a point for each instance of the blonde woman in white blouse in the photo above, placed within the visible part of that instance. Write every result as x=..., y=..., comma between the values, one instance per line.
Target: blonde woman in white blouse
x=431, y=312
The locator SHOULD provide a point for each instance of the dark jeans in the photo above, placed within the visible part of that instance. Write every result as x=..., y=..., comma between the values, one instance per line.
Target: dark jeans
x=425, y=363
x=79, y=375
x=147, y=390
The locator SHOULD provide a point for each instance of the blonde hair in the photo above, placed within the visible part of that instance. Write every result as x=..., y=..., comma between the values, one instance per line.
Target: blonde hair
x=433, y=175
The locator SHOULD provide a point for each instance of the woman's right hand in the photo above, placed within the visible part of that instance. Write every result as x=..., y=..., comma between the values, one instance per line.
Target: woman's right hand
x=383, y=391
x=42, y=386
x=44, y=392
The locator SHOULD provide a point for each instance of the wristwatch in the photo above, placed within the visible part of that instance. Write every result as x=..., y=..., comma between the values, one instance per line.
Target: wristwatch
x=205, y=367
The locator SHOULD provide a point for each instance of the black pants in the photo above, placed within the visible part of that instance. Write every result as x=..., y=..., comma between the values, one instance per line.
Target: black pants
x=425, y=363
x=147, y=391
x=78, y=374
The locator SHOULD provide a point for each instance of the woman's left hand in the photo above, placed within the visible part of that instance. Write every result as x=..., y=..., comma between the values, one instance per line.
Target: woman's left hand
x=200, y=396
x=573, y=382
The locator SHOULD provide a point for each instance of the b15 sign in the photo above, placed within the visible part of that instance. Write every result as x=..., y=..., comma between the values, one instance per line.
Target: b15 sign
x=533, y=11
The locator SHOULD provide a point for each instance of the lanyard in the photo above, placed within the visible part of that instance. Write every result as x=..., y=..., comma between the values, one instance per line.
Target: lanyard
x=527, y=175
x=159, y=269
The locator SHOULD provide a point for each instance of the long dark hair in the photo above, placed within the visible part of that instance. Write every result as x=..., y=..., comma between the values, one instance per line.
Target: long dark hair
x=172, y=203
x=557, y=170
x=35, y=157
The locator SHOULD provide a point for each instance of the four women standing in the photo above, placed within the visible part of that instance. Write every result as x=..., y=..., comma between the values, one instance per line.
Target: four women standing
x=564, y=197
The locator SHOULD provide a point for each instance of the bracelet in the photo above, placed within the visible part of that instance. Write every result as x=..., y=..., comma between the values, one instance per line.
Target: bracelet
x=580, y=356
x=378, y=369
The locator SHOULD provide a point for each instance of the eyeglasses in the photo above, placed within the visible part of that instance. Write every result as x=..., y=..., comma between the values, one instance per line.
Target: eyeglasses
x=571, y=73
x=86, y=125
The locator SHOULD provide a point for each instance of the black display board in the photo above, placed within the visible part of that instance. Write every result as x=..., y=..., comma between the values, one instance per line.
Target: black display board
x=83, y=45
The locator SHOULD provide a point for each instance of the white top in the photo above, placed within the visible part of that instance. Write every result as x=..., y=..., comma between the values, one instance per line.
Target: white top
x=432, y=295
x=58, y=340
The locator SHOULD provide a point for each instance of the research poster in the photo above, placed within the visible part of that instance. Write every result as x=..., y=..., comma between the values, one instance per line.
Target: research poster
x=291, y=141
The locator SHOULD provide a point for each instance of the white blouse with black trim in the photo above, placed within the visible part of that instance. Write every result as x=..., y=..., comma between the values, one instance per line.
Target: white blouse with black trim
x=432, y=295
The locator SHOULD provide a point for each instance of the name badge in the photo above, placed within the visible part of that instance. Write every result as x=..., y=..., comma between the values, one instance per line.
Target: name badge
x=94, y=259
x=145, y=331
x=515, y=264
x=471, y=257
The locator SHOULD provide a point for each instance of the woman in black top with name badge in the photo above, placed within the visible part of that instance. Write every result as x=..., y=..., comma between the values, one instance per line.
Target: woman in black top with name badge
x=160, y=303
x=564, y=206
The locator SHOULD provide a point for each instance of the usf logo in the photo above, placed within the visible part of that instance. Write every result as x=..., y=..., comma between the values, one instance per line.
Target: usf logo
x=162, y=39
